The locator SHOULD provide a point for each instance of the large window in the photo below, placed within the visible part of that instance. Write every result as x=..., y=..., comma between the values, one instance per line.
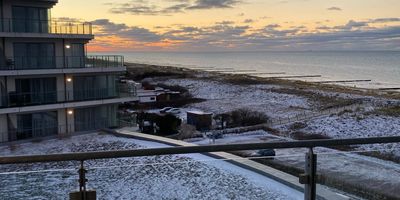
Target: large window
x=34, y=55
x=77, y=58
x=30, y=19
x=93, y=118
x=36, y=125
x=94, y=87
x=34, y=91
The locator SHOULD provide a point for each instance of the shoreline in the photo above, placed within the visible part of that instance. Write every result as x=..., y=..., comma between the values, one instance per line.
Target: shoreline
x=250, y=79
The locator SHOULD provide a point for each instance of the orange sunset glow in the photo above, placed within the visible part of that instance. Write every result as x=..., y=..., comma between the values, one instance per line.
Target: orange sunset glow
x=202, y=25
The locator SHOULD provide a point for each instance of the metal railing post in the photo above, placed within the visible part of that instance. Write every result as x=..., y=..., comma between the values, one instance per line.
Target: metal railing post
x=309, y=179
x=82, y=180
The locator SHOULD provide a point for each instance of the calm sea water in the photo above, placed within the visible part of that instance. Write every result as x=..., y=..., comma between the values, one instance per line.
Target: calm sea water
x=383, y=68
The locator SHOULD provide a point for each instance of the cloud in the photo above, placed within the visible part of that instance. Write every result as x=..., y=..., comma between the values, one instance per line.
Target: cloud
x=352, y=25
x=248, y=21
x=226, y=35
x=334, y=8
x=384, y=20
x=108, y=28
x=142, y=7
x=208, y=4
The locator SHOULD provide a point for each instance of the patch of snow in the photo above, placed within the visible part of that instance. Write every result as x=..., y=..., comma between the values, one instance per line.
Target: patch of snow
x=356, y=125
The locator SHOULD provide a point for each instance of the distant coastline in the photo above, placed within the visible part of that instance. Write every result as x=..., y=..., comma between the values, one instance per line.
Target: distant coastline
x=380, y=67
x=299, y=84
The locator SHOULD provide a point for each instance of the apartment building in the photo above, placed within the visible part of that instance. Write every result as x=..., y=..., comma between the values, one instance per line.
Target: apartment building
x=48, y=83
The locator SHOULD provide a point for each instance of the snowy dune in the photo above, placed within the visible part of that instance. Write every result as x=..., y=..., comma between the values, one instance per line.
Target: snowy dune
x=222, y=97
x=226, y=97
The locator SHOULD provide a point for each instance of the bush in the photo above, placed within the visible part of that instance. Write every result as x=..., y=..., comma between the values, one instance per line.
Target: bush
x=244, y=117
x=297, y=126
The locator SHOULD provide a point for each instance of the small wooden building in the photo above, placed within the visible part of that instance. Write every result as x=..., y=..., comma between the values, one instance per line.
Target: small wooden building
x=201, y=120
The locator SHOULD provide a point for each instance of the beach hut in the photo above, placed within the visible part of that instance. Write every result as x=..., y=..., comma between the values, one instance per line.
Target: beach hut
x=201, y=120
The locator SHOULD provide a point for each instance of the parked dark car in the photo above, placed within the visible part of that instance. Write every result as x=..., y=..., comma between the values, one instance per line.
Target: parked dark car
x=266, y=152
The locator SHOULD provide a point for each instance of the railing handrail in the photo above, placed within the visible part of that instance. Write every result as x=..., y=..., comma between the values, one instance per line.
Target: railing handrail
x=193, y=149
x=45, y=20
x=61, y=62
x=84, y=56
x=47, y=26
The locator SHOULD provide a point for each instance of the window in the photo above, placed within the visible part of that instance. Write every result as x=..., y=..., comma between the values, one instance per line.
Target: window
x=37, y=125
x=77, y=55
x=94, y=87
x=35, y=91
x=30, y=19
x=92, y=118
x=34, y=56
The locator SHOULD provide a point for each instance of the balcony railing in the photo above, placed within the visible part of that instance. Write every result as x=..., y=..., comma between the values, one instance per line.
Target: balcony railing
x=14, y=134
x=309, y=178
x=17, y=99
x=45, y=26
x=61, y=62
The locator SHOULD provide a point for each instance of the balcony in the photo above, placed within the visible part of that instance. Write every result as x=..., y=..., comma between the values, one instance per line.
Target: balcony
x=20, y=99
x=20, y=63
x=30, y=28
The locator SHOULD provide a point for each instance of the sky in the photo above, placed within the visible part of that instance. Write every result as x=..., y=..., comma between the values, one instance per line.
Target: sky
x=237, y=25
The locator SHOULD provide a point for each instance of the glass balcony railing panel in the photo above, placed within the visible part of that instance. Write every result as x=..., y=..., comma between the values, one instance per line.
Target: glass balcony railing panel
x=45, y=26
x=14, y=99
x=94, y=94
x=104, y=61
x=34, y=62
x=60, y=62
x=126, y=90
x=362, y=171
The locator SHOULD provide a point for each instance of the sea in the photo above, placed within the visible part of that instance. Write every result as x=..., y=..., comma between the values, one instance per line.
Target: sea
x=368, y=69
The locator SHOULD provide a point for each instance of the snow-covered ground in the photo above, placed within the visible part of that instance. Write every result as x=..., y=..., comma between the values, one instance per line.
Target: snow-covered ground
x=160, y=177
x=355, y=125
x=354, y=168
x=223, y=97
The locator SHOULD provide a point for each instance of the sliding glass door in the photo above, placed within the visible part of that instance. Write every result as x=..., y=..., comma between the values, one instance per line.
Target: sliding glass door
x=30, y=19
x=37, y=125
x=34, y=56
x=93, y=118
x=35, y=91
x=77, y=58
x=94, y=87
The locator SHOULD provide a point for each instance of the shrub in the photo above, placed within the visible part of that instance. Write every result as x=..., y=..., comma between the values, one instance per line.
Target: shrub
x=297, y=126
x=244, y=117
